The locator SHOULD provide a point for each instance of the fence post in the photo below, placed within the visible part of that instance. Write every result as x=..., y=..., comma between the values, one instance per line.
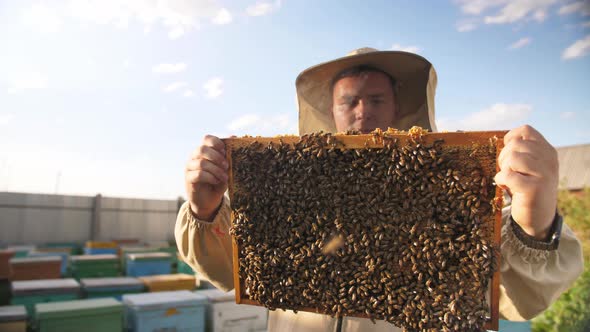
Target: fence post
x=95, y=221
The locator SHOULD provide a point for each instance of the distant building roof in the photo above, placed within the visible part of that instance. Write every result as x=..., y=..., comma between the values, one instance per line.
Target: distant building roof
x=574, y=166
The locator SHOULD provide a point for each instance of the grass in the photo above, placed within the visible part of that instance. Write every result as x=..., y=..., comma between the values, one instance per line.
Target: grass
x=571, y=312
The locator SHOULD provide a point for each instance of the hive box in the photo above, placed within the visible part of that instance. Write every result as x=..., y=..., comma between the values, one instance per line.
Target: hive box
x=13, y=318
x=63, y=255
x=169, y=282
x=182, y=266
x=125, y=250
x=147, y=264
x=31, y=292
x=110, y=287
x=100, y=248
x=95, y=315
x=32, y=268
x=71, y=248
x=224, y=315
x=165, y=311
x=94, y=266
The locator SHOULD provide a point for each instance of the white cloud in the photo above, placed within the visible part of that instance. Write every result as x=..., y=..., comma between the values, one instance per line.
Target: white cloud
x=520, y=9
x=502, y=11
x=581, y=7
x=169, y=68
x=411, y=49
x=476, y=7
x=520, y=43
x=223, y=16
x=28, y=81
x=188, y=93
x=178, y=17
x=578, y=49
x=174, y=86
x=498, y=116
x=213, y=87
x=42, y=18
x=5, y=119
x=262, y=8
x=466, y=25
x=567, y=115
x=264, y=125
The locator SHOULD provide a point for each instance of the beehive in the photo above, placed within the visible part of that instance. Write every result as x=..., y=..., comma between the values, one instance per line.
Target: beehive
x=398, y=226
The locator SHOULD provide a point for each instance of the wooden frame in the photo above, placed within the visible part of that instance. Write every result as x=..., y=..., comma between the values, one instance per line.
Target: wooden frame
x=473, y=139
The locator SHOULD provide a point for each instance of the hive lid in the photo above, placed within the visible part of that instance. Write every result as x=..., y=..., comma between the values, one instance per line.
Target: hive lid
x=48, y=254
x=44, y=285
x=93, y=258
x=101, y=245
x=110, y=282
x=12, y=313
x=21, y=248
x=149, y=256
x=163, y=299
x=77, y=308
x=168, y=278
x=216, y=295
x=62, y=244
x=35, y=259
x=136, y=248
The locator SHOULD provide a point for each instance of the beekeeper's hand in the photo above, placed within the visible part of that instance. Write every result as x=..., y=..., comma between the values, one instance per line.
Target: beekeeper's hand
x=529, y=169
x=206, y=176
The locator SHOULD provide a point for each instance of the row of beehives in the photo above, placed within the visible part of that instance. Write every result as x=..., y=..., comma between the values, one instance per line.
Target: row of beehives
x=182, y=310
x=100, y=259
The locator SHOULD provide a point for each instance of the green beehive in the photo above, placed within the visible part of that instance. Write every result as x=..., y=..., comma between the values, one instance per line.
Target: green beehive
x=183, y=267
x=93, y=315
x=111, y=287
x=94, y=266
x=31, y=292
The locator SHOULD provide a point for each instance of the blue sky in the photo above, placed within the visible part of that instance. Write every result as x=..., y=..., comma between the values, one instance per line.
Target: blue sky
x=111, y=96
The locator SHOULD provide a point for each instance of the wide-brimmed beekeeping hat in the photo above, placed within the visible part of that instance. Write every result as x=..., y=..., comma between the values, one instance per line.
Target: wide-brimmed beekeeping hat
x=415, y=88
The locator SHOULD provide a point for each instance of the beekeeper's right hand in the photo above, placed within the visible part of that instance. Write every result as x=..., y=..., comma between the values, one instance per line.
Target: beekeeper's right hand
x=206, y=176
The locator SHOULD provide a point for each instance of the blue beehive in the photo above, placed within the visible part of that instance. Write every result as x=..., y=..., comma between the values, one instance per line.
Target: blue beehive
x=100, y=251
x=148, y=264
x=100, y=248
x=170, y=311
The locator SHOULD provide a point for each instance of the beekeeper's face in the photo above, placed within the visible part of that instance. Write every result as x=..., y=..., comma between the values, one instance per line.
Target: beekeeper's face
x=363, y=102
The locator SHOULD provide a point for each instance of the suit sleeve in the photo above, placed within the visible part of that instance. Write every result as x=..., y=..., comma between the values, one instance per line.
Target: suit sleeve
x=207, y=246
x=532, y=279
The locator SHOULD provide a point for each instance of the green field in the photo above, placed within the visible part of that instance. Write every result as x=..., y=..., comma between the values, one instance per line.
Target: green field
x=571, y=312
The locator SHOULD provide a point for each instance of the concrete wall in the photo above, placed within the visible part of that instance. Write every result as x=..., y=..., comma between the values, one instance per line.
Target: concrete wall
x=38, y=218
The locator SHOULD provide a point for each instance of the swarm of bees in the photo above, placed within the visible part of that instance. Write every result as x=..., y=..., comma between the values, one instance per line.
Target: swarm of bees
x=402, y=233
